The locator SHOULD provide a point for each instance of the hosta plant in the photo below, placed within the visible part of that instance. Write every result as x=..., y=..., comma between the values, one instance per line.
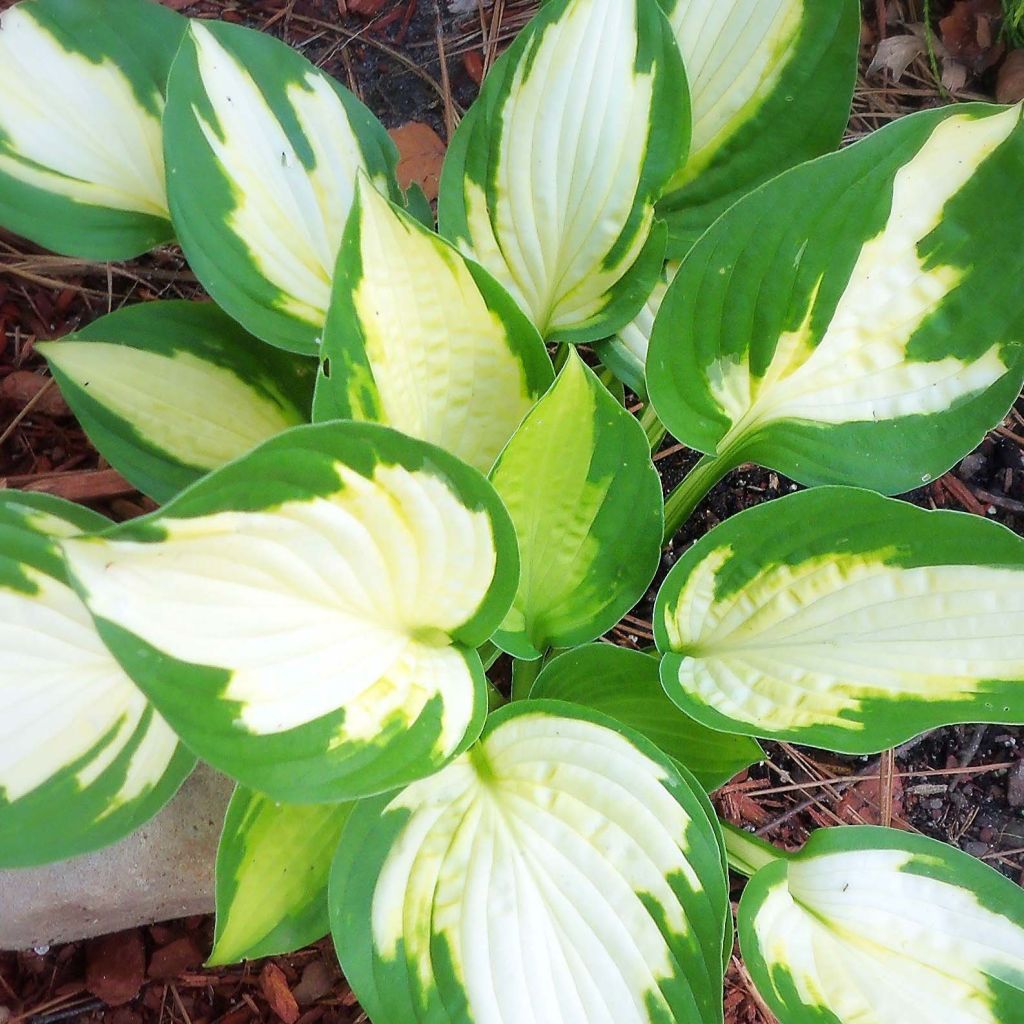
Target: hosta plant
x=383, y=463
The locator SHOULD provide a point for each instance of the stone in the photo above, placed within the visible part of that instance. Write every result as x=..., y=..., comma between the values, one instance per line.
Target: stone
x=162, y=871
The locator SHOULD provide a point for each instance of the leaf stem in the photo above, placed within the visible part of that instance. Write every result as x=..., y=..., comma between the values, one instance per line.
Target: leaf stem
x=693, y=488
x=489, y=654
x=653, y=427
x=746, y=852
x=524, y=673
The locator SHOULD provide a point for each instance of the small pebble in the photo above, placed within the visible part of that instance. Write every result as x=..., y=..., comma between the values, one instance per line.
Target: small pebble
x=976, y=849
x=40, y=950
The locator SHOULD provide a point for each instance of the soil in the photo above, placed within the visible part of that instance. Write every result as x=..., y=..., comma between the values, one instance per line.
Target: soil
x=964, y=785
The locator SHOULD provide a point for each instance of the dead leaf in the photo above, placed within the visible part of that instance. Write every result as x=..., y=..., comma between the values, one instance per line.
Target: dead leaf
x=115, y=967
x=954, y=75
x=1010, y=83
x=896, y=54
x=278, y=994
x=971, y=33
x=420, y=155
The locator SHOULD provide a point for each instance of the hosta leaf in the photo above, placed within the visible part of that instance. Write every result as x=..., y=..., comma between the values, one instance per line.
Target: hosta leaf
x=578, y=481
x=263, y=151
x=626, y=686
x=844, y=620
x=84, y=758
x=625, y=354
x=82, y=81
x=424, y=340
x=551, y=179
x=272, y=868
x=818, y=326
x=870, y=926
x=770, y=86
x=561, y=870
x=168, y=391
x=306, y=616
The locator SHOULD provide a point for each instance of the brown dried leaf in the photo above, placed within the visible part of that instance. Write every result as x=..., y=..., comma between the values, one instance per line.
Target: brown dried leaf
x=1010, y=82
x=954, y=75
x=420, y=155
x=278, y=994
x=970, y=32
x=896, y=54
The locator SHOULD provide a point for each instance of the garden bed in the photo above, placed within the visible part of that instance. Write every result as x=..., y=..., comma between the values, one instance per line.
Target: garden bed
x=415, y=64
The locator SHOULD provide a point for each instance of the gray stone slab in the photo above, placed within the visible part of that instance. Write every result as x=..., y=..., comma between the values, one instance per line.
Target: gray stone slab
x=162, y=871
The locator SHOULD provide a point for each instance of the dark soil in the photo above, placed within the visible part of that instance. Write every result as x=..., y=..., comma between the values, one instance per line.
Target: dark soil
x=963, y=784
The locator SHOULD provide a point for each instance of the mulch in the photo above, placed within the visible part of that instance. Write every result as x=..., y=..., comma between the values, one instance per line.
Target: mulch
x=414, y=61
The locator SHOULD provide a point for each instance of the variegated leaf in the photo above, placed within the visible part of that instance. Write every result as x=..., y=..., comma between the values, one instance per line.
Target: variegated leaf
x=626, y=686
x=424, y=340
x=306, y=616
x=84, y=758
x=168, y=391
x=858, y=319
x=263, y=152
x=578, y=481
x=551, y=179
x=561, y=870
x=871, y=926
x=82, y=85
x=770, y=86
x=272, y=868
x=845, y=620
x=625, y=354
